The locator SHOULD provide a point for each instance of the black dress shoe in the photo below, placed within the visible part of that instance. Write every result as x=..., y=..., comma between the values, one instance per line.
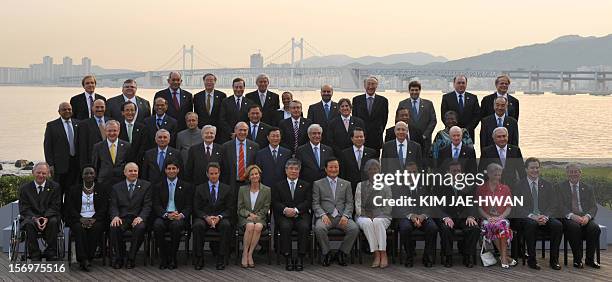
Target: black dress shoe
x=409, y=262
x=534, y=265
x=163, y=265
x=220, y=266
x=198, y=264
x=83, y=267
x=555, y=265
x=427, y=264
x=130, y=264
x=299, y=264
x=88, y=263
x=593, y=264
x=325, y=259
x=341, y=258
x=117, y=265
x=448, y=262
x=578, y=264
x=289, y=264
x=51, y=258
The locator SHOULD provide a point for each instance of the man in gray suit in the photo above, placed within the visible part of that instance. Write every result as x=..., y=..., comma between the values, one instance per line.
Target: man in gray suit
x=110, y=155
x=238, y=154
x=332, y=203
x=423, y=114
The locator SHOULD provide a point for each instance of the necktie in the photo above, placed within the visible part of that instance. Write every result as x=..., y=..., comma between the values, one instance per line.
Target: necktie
x=159, y=123
x=296, y=132
x=70, y=137
x=254, y=132
x=460, y=103
x=370, y=102
x=326, y=111
x=500, y=123
x=238, y=103
x=456, y=153
x=208, y=98
x=241, y=167
x=575, y=205
x=130, y=128
x=359, y=159
x=262, y=99
x=91, y=101
x=502, y=157
x=101, y=127
x=38, y=189
x=171, y=190
x=175, y=99
x=131, y=189
x=160, y=160
x=401, y=155
x=346, y=124
x=207, y=152
x=415, y=110
x=213, y=193
x=332, y=184
x=316, y=154
x=274, y=155
x=292, y=186
x=534, y=195
x=113, y=152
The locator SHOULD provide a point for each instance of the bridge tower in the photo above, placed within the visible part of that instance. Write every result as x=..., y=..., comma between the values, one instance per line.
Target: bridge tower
x=187, y=74
x=295, y=45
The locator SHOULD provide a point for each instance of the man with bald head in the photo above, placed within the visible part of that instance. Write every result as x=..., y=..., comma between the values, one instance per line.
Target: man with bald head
x=507, y=155
x=60, y=147
x=401, y=151
x=457, y=151
x=110, y=155
x=91, y=131
x=325, y=110
x=161, y=120
x=238, y=154
x=464, y=103
x=128, y=93
x=268, y=100
x=155, y=159
x=180, y=101
x=499, y=119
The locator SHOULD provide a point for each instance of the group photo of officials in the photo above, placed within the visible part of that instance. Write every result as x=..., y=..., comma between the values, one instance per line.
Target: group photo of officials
x=250, y=173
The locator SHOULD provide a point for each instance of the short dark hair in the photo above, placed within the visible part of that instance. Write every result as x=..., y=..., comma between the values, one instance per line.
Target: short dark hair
x=414, y=83
x=331, y=160
x=127, y=103
x=172, y=162
x=130, y=81
x=88, y=76
x=214, y=165
x=458, y=76
x=352, y=133
x=401, y=109
x=238, y=79
x=255, y=106
x=209, y=74
x=274, y=128
x=345, y=100
x=532, y=160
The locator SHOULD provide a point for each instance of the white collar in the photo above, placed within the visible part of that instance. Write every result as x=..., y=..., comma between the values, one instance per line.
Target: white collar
x=111, y=143
x=262, y=93
x=355, y=148
x=501, y=148
x=178, y=90
x=294, y=181
x=458, y=146
x=272, y=148
x=43, y=184
x=162, y=150
x=405, y=142
x=313, y=145
x=175, y=181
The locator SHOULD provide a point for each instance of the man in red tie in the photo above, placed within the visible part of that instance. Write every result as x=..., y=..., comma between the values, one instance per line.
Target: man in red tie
x=238, y=154
x=180, y=100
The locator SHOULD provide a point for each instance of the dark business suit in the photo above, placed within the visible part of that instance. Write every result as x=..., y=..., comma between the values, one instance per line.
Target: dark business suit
x=467, y=118
x=406, y=226
x=185, y=99
x=199, y=106
x=204, y=206
x=86, y=239
x=390, y=159
x=376, y=120
x=490, y=123
x=88, y=134
x=113, y=108
x=487, y=106
x=288, y=134
x=139, y=142
x=229, y=116
x=337, y=136
x=547, y=206
x=183, y=201
x=197, y=162
x=168, y=123
x=514, y=169
x=573, y=231
x=424, y=120
x=415, y=134
x=269, y=108
x=316, y=113
x=80, y=110
x=46, y=204
x=467, y=158
x=261, y=138
x=302, y=201
x=229, y=170
x=349, y=170
x=108, y=172
x=57, y=152
x=310, y=171
x=128, y=208
x=150, y=170
x=272, y=170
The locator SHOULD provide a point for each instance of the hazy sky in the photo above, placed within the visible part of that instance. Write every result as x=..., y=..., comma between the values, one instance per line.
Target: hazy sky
x=143, y=35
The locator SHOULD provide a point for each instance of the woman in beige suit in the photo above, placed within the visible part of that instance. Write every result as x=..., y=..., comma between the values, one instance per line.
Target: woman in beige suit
x=253, y=206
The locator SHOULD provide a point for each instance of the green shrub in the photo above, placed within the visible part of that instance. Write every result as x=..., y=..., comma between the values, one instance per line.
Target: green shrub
x=9, y=187
x=601, y=182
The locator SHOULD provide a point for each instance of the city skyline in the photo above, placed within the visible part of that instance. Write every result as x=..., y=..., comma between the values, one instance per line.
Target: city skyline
x=119, y=35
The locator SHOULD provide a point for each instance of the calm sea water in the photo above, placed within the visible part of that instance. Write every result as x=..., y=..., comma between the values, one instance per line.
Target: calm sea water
x=550, y=126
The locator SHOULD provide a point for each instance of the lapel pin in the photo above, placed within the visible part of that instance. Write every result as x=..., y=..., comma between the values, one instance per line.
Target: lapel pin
x=180, y=187
x=409, y=152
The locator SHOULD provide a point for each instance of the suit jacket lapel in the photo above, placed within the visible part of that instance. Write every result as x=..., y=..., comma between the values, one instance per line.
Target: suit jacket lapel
x=165, y=194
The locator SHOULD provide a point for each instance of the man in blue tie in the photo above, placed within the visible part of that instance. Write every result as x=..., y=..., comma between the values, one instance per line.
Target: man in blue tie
x=499, y=119
x=161, y=120
x=325, y=110
x=155, y=159
x=172, y=205
x=457, y=151
x=60, y=147
x=313, y=155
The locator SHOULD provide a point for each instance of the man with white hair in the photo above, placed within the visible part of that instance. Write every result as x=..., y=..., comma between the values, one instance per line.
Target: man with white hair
x=155, y=159
x=398, y=153
x=180, y=101
x=457, y=151
x=507, y=155
x=499, y=119
x=268, y=100
x=200, y=155
x=313, y=155
x=110, y=155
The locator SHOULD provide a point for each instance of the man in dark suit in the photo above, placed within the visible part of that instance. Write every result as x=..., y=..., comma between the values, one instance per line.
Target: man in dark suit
x=403, y=114
x=133, y=132
x=160, y=120
x=233, y=109
x=375, y=110
x=39, y=210
x=326, y=110
x=285, y=111
x=293, y=129
x=213, y=209
x=172, y=203
x=143, y=108
x=487, y=104
x=465, y=104
x=313, y=155
x=238, y=154
x=200, y=155
x=155, y=159
x=398, y=153
x=354, y=158
x=457, y=151
x=538, y=212
x=82, y=104
x=60, y=147
x=130, y=206
x=504, y=154
x=271, y=159
x=291, y=202
x=207, y=102
x=499, y=119
x=258, y=130
x=180, y=100
x=268, y=100
x=423, y=114
x=578, y=209
x=90, y=132
x=339, y=128
x=110, y=155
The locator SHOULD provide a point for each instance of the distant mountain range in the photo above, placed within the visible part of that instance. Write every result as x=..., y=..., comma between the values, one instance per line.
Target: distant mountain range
x=416, y=58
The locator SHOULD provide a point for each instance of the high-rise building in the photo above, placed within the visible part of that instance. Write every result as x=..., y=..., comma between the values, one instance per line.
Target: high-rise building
x=256, y=61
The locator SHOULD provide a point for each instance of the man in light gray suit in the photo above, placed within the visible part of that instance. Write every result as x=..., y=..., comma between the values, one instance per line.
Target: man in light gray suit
x=332, y=203
x=422, y=115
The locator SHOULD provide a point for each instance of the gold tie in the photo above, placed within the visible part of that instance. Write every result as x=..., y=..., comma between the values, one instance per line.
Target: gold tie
x=113, y=152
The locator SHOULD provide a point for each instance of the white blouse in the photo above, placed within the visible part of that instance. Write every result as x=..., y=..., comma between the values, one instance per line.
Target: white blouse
x=87, y=205
x=253, y=199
